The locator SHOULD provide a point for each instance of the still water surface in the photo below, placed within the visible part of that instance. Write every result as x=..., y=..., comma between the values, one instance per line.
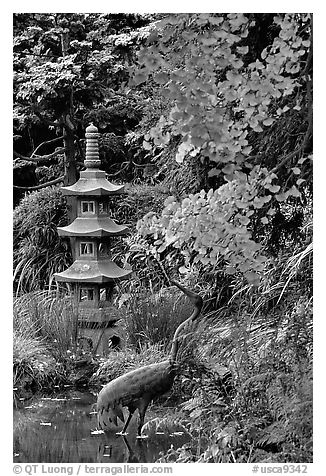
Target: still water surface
x=62, y=429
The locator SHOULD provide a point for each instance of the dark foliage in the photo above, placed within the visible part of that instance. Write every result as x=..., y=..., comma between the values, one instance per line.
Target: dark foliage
x=38, y=250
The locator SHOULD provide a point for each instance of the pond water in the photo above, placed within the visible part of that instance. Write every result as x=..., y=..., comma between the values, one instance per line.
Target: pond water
x=62, y=429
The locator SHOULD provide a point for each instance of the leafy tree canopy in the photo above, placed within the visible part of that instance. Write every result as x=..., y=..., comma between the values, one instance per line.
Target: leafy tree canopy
x=226, y=98
x=70, y=59
x=69, y=70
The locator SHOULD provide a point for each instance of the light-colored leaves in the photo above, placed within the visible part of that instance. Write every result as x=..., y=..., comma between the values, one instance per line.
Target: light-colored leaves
x=216, y=103
x=296, y=170
x=294, y=191
x=201, y=101
x=268, y=122
x=208, y=226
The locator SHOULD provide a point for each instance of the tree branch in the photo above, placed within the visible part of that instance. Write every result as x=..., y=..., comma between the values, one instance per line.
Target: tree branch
x=42, y=185
x=119, y=171
x=301, y=148
x=125, y=165
x=40, y=158
x=46, y=142
x=42, y=55
x=286, y=158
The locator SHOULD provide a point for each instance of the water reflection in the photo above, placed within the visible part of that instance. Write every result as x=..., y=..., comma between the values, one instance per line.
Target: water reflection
x=60, y=429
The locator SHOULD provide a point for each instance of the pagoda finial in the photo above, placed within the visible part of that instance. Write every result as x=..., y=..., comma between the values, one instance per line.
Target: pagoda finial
x=92, y=160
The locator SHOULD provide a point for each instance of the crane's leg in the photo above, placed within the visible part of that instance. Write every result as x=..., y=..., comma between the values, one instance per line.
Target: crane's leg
x=142, y=410
x=102, y=415
x=131, y=412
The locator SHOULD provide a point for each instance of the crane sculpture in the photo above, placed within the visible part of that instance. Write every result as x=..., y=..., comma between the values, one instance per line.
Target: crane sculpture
x=137, y=388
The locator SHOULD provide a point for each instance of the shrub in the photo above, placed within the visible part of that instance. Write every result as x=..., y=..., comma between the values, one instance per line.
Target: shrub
x=38, y=250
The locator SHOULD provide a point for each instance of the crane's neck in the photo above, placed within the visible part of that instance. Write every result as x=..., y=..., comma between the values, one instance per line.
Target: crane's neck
x=198, y=303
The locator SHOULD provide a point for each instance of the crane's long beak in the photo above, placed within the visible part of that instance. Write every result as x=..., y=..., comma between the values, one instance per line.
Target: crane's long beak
x=194, y=298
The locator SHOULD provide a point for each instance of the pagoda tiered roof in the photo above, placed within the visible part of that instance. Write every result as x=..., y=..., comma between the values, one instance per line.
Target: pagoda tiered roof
x=92, y=182
x=93, y=227
x=91, y=271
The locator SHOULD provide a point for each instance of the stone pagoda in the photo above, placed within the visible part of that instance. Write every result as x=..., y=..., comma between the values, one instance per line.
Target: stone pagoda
x=93, y=274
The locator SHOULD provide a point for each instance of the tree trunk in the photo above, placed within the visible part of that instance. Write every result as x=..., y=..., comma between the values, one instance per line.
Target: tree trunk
x=70, y=156
x=70, y=170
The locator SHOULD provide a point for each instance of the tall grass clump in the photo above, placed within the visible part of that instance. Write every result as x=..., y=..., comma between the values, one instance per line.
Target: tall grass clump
x=51, y=318
x=44, y=334
x=33, y=364
x=152, y=318
x=38, y=250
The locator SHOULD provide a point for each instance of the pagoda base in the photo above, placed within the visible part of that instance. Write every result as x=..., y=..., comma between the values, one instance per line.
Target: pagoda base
x=97, y=330
x=99, y=341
